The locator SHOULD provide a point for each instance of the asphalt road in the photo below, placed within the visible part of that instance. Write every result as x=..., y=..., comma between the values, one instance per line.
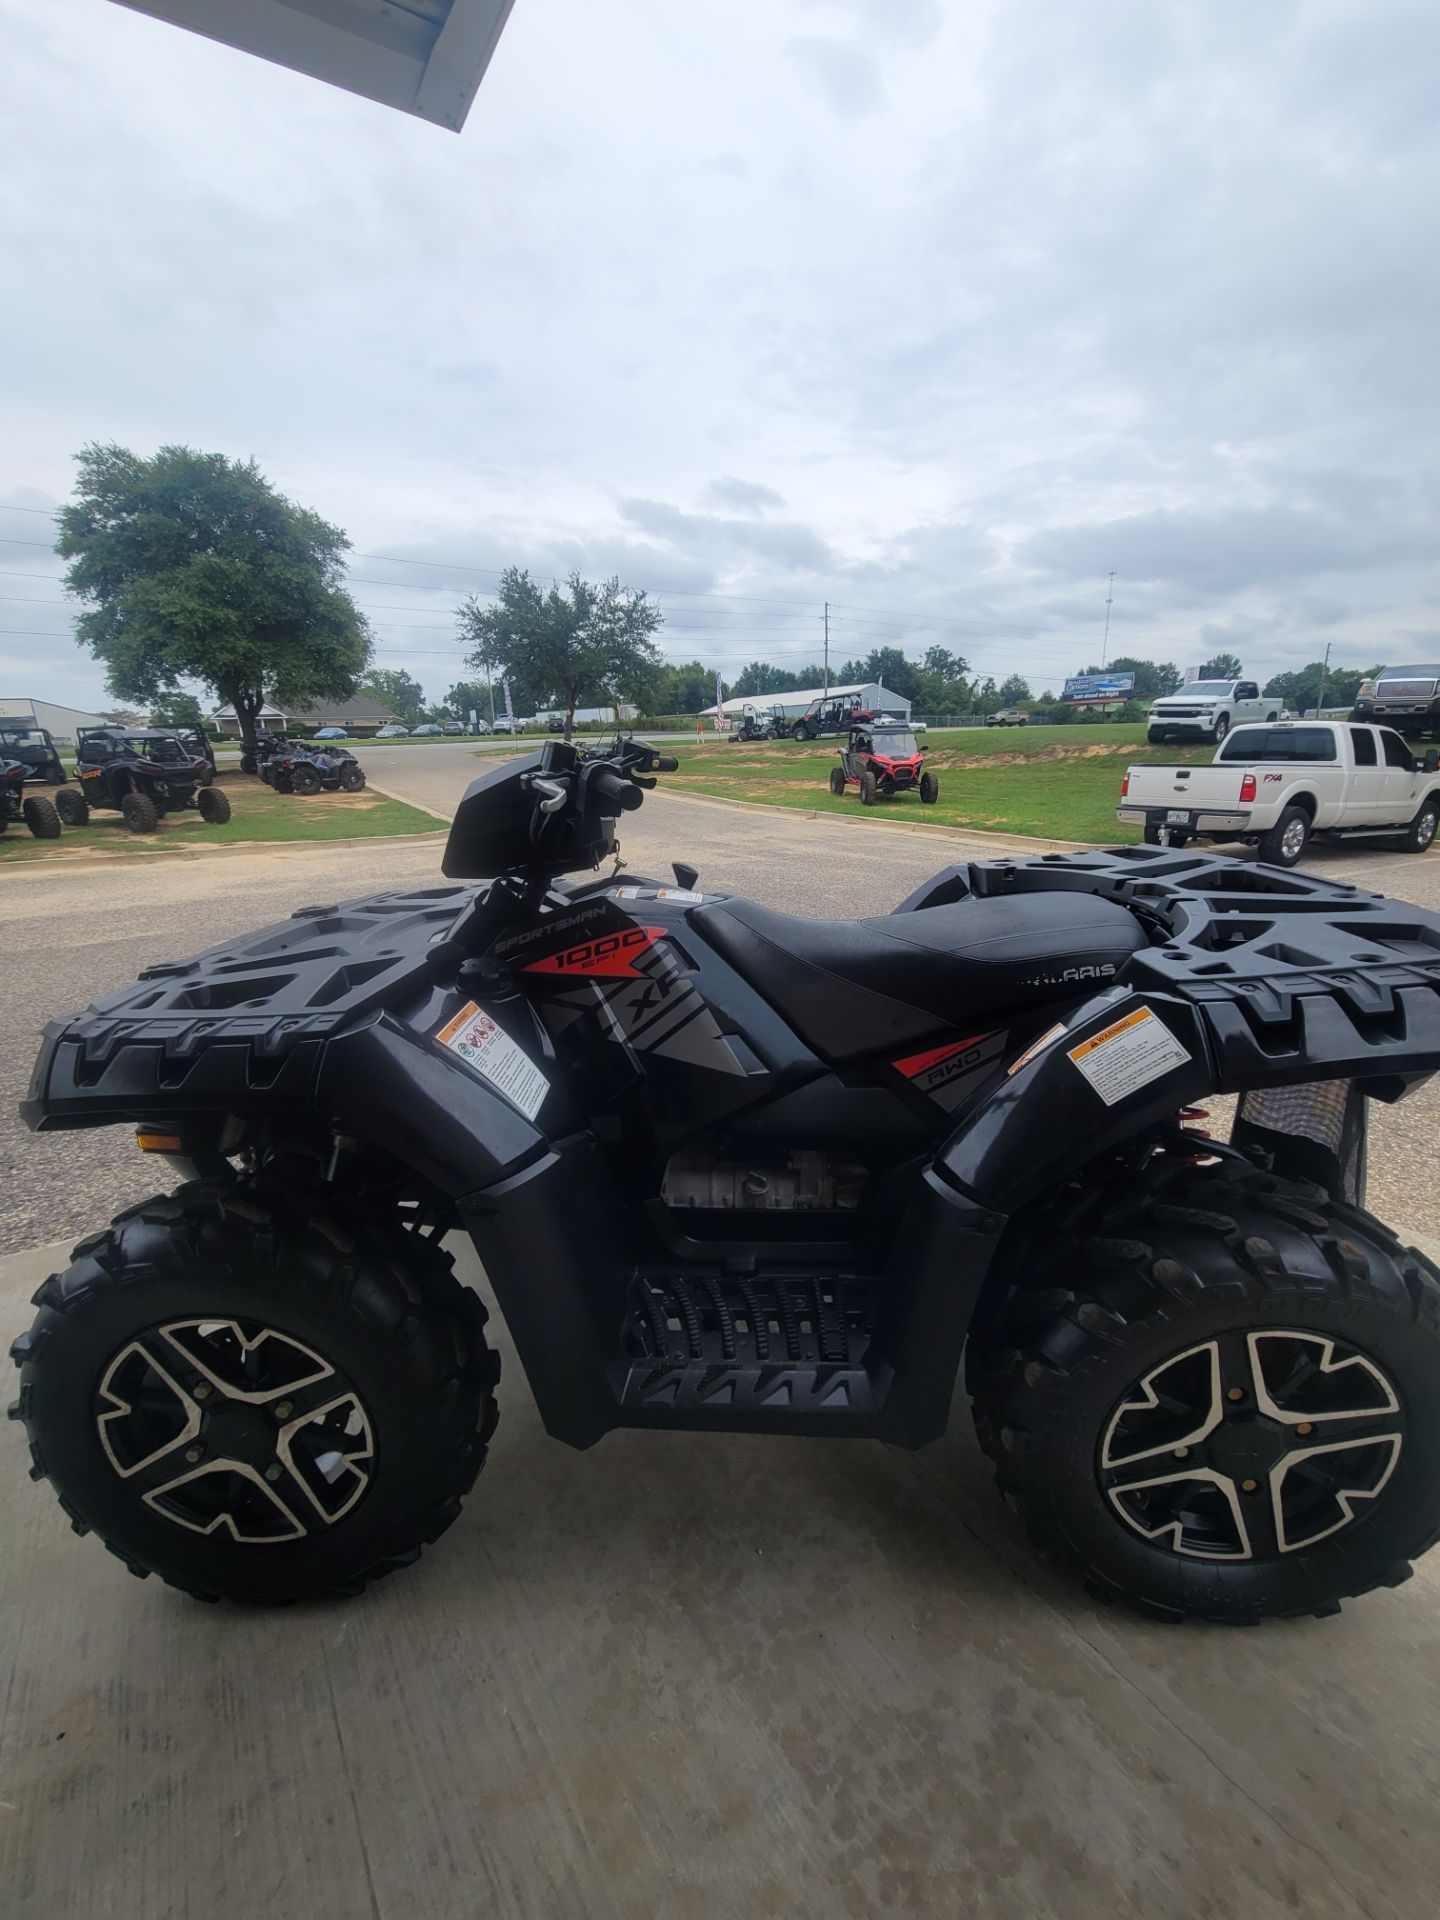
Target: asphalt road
x=738, y=1679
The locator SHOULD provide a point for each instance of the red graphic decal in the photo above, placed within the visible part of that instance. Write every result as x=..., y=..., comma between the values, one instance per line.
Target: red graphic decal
x=916, y=1063
x=612, y=954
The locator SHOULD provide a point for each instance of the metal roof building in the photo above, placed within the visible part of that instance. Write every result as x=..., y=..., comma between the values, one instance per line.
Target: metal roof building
x=59, y=721
x=425, y=57
x=869, y=693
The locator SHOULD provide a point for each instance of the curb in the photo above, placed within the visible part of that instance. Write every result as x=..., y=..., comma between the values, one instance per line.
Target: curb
x=1015, y=842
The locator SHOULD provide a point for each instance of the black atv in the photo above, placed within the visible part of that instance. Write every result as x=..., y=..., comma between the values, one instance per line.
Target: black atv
x=305, y=766
x=36, y=812
x=35, y=749
x=881, y=759
x=142, y=773
x=735, y=1171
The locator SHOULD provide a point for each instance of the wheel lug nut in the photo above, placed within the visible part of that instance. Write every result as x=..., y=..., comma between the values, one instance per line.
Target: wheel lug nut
x=192, y=1454
x=284, y=1410
x=1305, y=1426
x=272, y=1472
x=201, y=1390
x=1182, y=1453
x=1248, y=1486
x=1235, y=1393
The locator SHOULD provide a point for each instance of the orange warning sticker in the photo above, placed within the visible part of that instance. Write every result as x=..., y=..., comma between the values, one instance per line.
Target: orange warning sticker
x=1128, y=1054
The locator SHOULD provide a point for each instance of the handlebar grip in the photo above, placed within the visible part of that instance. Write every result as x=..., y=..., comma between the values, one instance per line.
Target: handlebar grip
x=610, y=786
x=666, y=763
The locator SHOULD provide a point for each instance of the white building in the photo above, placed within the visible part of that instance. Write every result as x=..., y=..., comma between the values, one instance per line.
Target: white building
x=870, y=694
x=60, y=722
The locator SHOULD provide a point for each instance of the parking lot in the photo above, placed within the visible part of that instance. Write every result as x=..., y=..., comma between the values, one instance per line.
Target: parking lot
x=676, y=1674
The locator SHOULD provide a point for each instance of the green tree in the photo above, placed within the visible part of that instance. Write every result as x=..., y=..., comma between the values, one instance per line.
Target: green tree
x=759, y=677
x=1224, y=666
x=577, y=646
x=467, y=697
x=192, y=567
x=176, y=710
x=689, y=688
x=987, y=697
x=1300, y=690
x=1014, y=690
x=889, y=666
x=397, y=690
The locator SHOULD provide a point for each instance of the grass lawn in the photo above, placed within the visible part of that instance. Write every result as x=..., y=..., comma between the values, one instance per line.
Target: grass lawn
x=257, y=814
x=1061, y=783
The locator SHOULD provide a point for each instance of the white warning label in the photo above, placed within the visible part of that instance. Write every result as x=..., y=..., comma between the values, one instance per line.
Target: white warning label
x=489, y=1051
x=1128, y=1055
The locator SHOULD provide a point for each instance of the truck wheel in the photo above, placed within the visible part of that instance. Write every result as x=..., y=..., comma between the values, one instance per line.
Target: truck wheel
x=1287, y=840
x=1217, y=1393
x=800, y=731
x=214, y=805
x=929, y=789
x=869, y=788
x=837, y=781
x=304, y=778
x=139, y=813
x=1157, y=736
x=72, y=807
x=41, y=818
x=352, y=776
x=1222, y=727
x=1419, y=836
x=254, y=1400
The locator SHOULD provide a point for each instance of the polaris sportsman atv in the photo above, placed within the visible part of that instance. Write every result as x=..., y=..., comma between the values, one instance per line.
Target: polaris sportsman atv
x=302, y=766
x=141, y=772
x=37, y=813
x=882, y=758
x=736, y=1171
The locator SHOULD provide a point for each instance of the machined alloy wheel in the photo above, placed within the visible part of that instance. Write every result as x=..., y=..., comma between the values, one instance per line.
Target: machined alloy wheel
x=1215, y=1392
x=1222, y=726
x=1251, y=1444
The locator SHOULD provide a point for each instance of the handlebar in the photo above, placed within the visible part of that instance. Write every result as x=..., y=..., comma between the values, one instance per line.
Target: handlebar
x=614, y=787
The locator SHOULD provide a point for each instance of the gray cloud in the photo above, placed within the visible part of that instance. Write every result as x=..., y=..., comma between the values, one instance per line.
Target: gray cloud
x=745, y=496
x=995, y=301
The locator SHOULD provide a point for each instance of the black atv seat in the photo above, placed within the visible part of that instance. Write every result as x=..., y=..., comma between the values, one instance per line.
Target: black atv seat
x=853, y=987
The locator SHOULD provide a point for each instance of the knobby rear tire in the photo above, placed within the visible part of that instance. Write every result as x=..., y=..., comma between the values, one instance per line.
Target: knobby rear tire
x=1114, y=1277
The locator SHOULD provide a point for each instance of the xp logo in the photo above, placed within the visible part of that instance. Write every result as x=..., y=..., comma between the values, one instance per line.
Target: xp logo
x=612, y=954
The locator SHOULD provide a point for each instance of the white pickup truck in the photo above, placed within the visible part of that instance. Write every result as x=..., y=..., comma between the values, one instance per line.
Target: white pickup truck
x=1273, y=787
x=1208, y=710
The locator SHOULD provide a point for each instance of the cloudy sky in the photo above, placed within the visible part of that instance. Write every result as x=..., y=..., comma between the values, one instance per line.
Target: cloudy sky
x=938, y=310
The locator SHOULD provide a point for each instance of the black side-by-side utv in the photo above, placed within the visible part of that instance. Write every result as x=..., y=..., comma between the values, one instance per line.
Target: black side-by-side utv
x=142, y=773
x=16, y=806
x=34, y=748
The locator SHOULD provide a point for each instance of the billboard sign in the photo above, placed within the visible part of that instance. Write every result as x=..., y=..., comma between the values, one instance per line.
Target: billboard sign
x=1090, y=689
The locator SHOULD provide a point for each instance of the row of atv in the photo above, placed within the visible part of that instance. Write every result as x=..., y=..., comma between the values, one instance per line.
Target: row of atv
x=303, y=766
x=141, y=773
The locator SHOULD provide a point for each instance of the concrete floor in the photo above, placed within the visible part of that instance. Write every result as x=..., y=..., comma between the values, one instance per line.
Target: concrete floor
x=680, y=1675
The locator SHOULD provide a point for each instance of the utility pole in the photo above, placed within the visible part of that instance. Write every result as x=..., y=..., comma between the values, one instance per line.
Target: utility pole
x=827, y=649
x=1324, y=676
x=1109, y=598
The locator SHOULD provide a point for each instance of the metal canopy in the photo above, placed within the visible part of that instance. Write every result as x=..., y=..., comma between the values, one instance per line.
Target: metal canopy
x=426, y=57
